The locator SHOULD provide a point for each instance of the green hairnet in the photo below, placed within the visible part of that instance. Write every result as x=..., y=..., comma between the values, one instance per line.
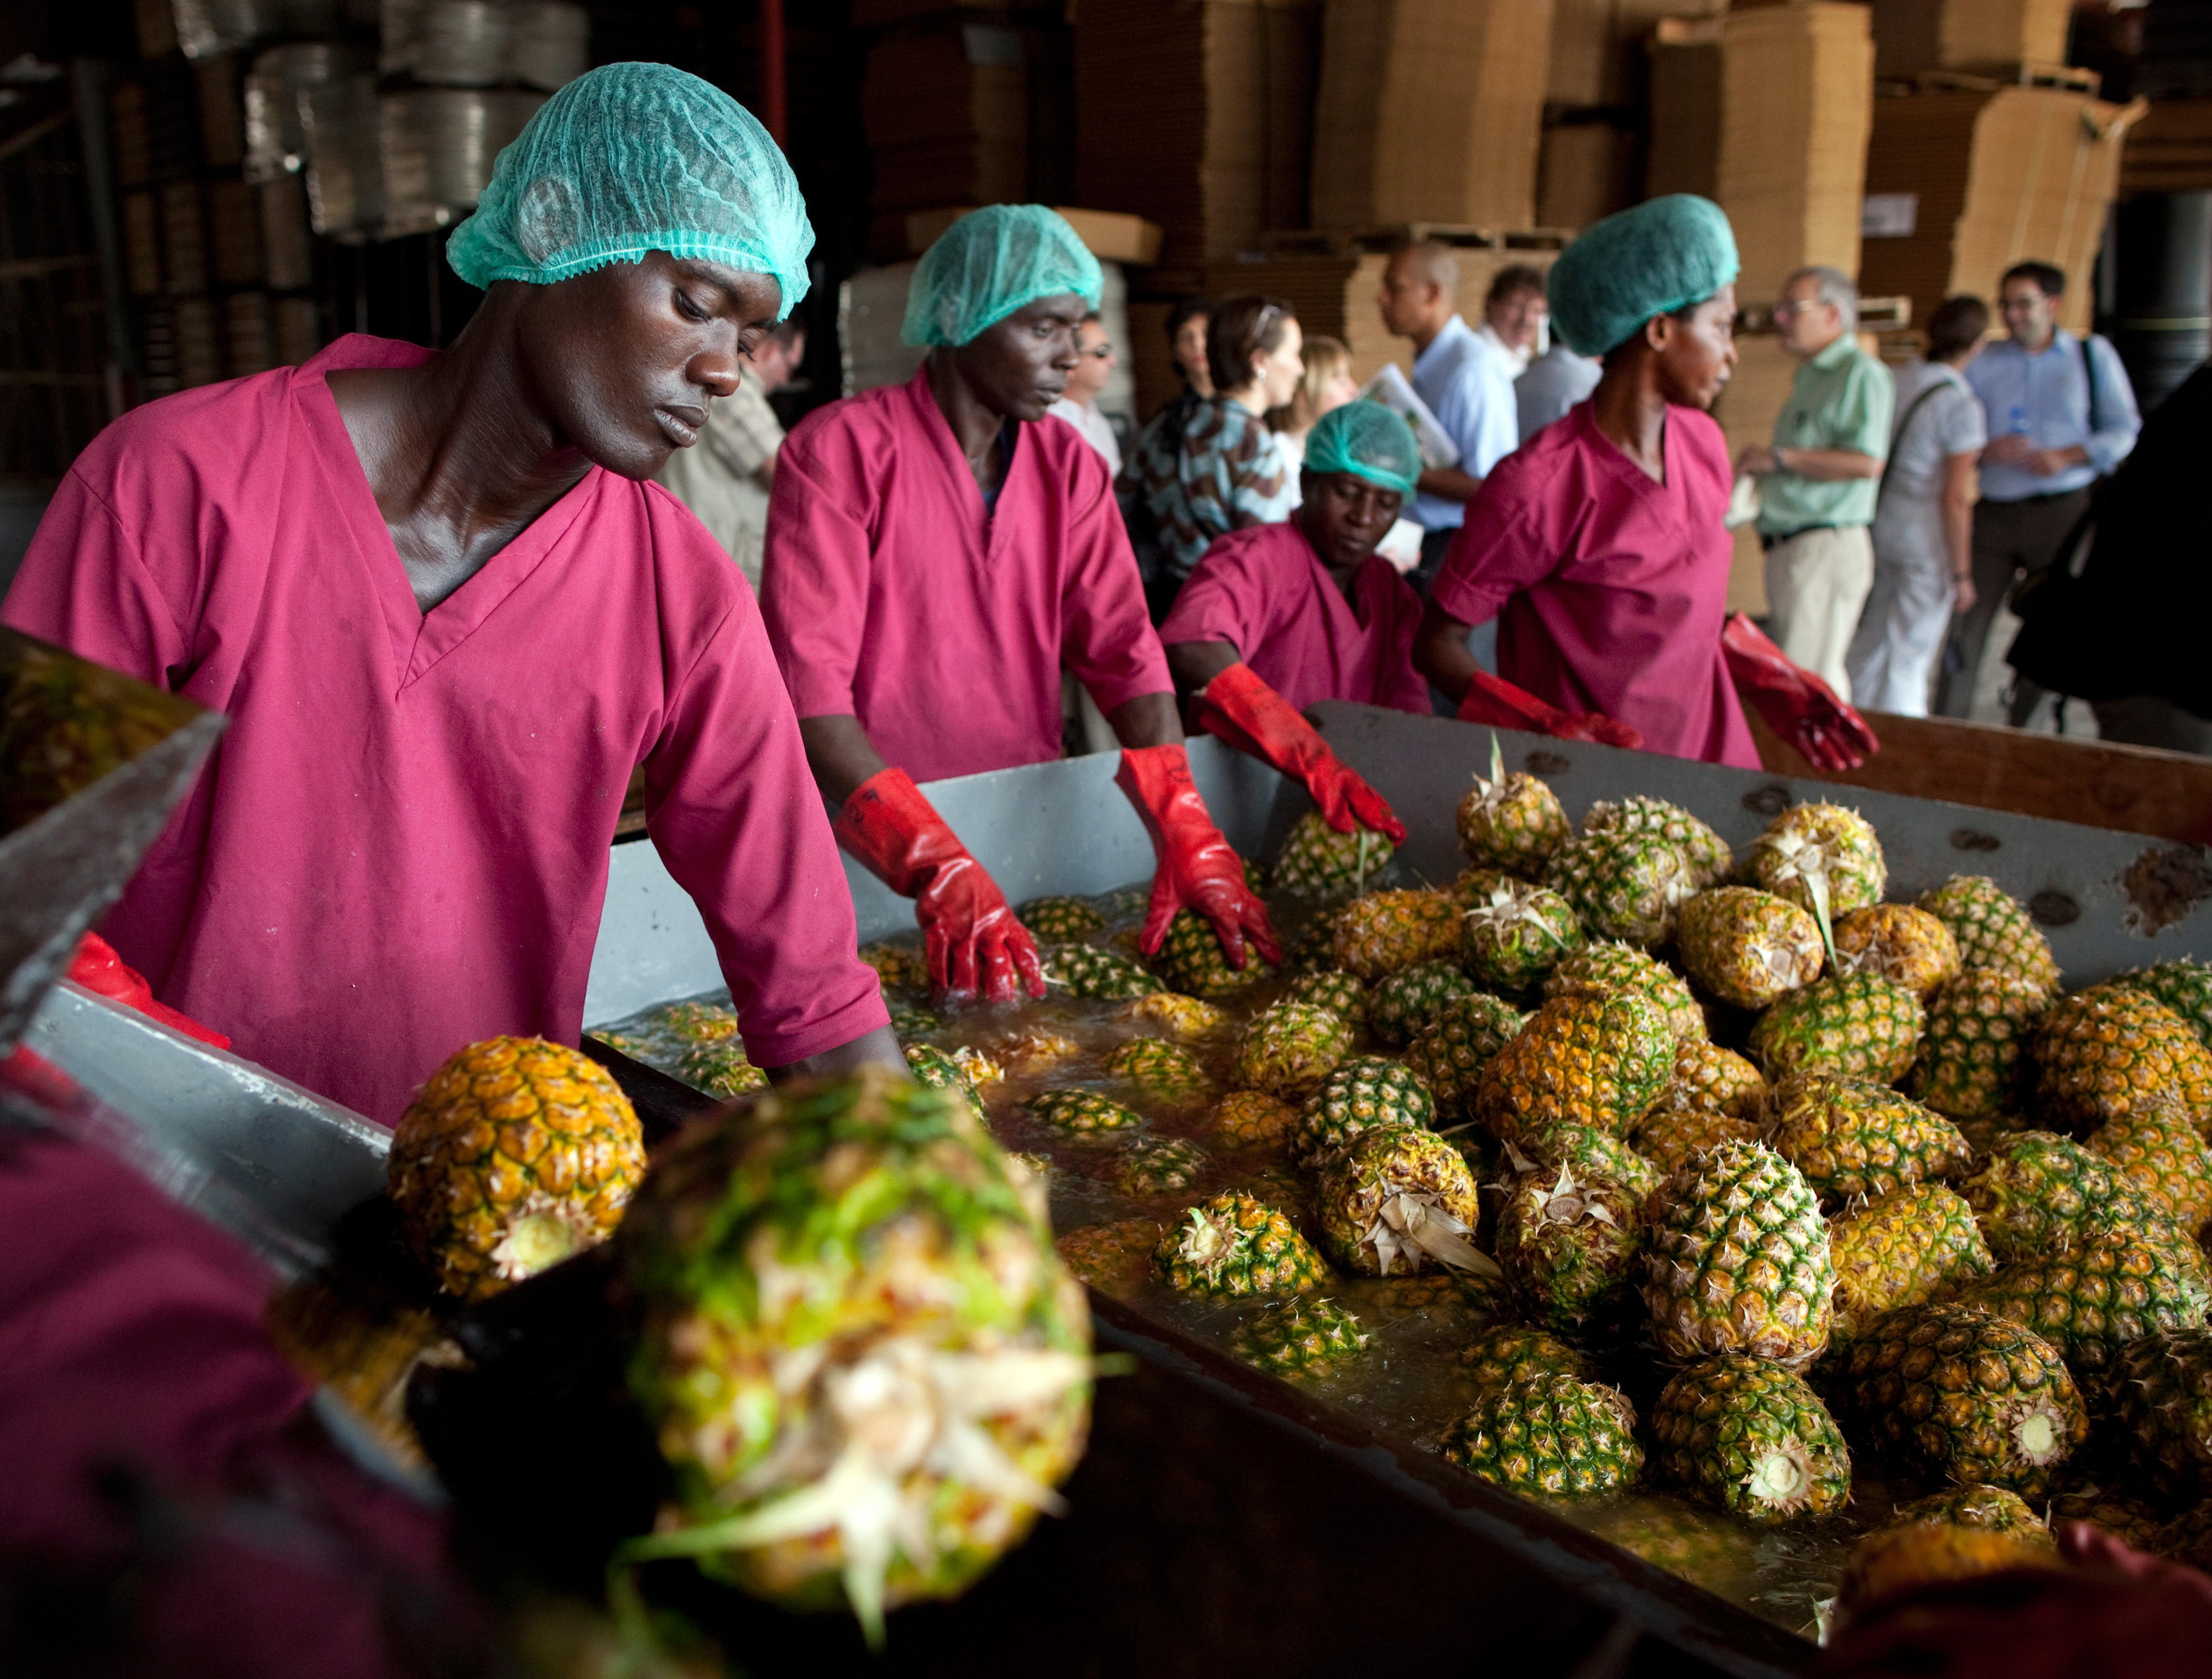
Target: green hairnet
x=990, y=263
x=632, y=158
x=1652, y=260
x=1368, y=440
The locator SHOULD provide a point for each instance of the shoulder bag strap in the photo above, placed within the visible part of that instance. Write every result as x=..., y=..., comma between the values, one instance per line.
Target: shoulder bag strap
x=1897, y=437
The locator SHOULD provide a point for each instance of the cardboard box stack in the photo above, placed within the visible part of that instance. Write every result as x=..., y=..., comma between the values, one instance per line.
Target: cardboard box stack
x=1685, y=110
x=1430, y=111
x=2170, y=151
x=1746, y=411
x=1976, y=181
x=1968, y=35
x=946, y=110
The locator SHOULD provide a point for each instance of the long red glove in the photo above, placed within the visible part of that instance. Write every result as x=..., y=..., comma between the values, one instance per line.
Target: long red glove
x=97, y=968
x=973, y=942
x=1236, y=707
x=1198, y=869
x=1796, y=704
x=1496, y=701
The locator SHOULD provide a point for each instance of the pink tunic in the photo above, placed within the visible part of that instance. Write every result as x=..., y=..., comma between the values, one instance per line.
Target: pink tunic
x=893, y=596
x=1609, y=590
x=401, y=845
x=1265, y=590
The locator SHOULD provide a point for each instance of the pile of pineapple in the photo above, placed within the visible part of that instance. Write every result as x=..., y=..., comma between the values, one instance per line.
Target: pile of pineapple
x=1739, y=1169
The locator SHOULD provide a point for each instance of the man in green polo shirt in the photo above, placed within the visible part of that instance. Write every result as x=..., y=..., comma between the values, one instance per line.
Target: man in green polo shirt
x=1818, y=482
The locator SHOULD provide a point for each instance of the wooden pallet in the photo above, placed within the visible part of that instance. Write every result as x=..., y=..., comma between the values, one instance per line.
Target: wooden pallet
x=2068, y=77
x=1331, y=242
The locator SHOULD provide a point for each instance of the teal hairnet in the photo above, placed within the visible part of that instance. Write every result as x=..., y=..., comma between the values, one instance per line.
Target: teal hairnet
x=990, y=263
x=632, y=158
x=1368, y=440
x=1659, y=256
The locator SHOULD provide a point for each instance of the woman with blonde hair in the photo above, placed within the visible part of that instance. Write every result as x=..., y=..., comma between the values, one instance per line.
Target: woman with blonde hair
x=1327, y=383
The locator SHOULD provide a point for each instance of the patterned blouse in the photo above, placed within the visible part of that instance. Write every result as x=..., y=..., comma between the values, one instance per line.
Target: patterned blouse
x=1206, y=469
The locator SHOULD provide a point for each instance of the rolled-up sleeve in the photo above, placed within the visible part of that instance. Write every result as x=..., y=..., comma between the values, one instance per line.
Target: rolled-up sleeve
x=1107, y=636
x=1495, y=555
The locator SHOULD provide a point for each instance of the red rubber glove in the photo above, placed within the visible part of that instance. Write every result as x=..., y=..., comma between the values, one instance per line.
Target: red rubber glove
x=97, y=968
x=1796, y=704
x=973, y=943
x=1239, y=708
x=1198, y=869
x=1496, y=701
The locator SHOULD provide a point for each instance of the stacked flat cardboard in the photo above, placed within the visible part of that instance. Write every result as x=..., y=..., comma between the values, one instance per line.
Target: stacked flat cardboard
x=1430, y=111
x=1685, y=116
x=2170, y=151
x=1968, y=35
x=947, y=111
x=1589, y=169
x=1992, y=179
x=1196, y=115
x=1598, y=46
x=1108, y=235
x=1797, y=104
x=1746, y=411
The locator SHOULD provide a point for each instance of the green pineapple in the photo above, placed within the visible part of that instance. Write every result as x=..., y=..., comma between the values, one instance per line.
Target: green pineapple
x=1854, y=1139
x=1403, y=1003
x=1191, y=959
x=720, y=1068
x=2158, y=1148
x=1060, y=920
x=1365, y=1093
x=1300, y=1338
x=1082, y=1112
x=1823, y=858
x=2183, y=986
x=1511, y=938
x=2041, y=1193
x=1114, y=1258
x=898, y=968
x=862, y=1362
x=1993, y=929
x=1449, y=1054
x=1906, y=1248
x=1993, y=1509
x=1084, y=970
x=2111, y=1289
x=939, y=1071
x=1710, y=860
x=1156, y=1166
x=2130, y=1520
x=1254, y=1119
x=2099, y=1053
x=1569, y=1248
x=1512, y=823
x=1752, y=1437
x=1625, y=884
x=1748, y=948
x=1333, y=989
x=1232, y=1247
x=1973, y=1053
x=1288, y=1048
x=1854, y=1025
x=1737, y=1260
x=908, y=1023
x=1384, y=932
x=1321, y=865
x=1166, y=1072
x=1899, y=942
x=1178, y=1015
x=1550, y=1434
x=1313, y=947
x=1613, y=966
x=1508, y=1353
x=2164, y=1392
x=1589, y=1152
x=1399, y=1199
x=1584, y=1060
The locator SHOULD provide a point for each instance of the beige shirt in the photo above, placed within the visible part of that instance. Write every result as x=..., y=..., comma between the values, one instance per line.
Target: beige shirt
x=720, y=477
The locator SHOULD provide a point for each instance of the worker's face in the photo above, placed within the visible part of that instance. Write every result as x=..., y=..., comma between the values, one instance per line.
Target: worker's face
x=1408, y=300
x=625, y=359
x=1806, y=325
x=1518, y=316
x=775, y=360
x=1190, y=355
x=2030, y=312
x=1696, y=355
x=1344, y=516
x=1280, y=369
x=1094, y=363
x=1019, y=366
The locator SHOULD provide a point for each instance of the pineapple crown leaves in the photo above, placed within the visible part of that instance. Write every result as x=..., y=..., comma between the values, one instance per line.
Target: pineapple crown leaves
x=1513, y=905
x=1212, y=1243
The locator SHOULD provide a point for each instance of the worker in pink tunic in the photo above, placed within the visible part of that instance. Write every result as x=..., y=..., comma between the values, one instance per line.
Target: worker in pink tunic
x=448, y=613
x=1277, y=616
x=1599, y=545
x=937, y=554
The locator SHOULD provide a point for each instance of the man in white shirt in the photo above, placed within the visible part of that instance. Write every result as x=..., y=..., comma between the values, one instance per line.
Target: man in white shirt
x=725, y=481
x=1094, y=366
x=1513, y=316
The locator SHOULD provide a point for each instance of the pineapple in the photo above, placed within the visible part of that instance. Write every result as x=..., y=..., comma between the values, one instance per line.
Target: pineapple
x=2042, y=1194
x=1512, y=823
x=1178, y=1015
x=1253, y=1120
x=1321, y=865
x=1060, y=920
x=1821, y=858
x=1738, y=1260
x=1450, y=1052
x=2130, y=1520
x=1314, y=946
x=516, y=1153
x=938, y=1070
x=1167, y=1073
x=1752, y=1437
x=2158, y=1148
x=1508, y=1353
x=1333, y=989
x=1748, y=948
x=1857, y=1025
x=1191, y=959
x=1625, y=884
x=2187, y=1538
x=1906, y=1248
x=1084, y=970
x=1709, y=856
x=2111, y=1288
x=2099, y=1053
x=1082, y=1112
x=1899, y=943
x=1569, y=1248
x=1971, y=1052
x=864, y=1364
x=1514, y=935
x=2183, y=986
x=1113, y=1259
x=1992, y=1508
x=1384, y=932
x=1957, y=1393
x=363, y=1344
x=1366, y=1093
x=1447, y=1296
x=1300, y=1338
x=1583, y=1060
x=1590, y=1153
x=1404, y=1002
x=1854, y=1139
x=1034, y=1050
x=1894, y=1560
x=898, y=968
x=1471, y=886
x=1396, y=1200
x=2164, y=1392
x=1715, y=1096
x=1549, y=1433
x=1993, y=929
x=720, y=1068
x=1233, y=1246
x=1288, y=1048
x=1612, y=967
x=1155, y=1165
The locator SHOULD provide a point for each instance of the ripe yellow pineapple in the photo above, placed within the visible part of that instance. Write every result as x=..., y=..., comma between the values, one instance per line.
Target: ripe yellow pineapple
x=1748, y=948
x=1613, y=966
x=1823, y=858
x=1288, y=1048
x=2158, y=1146
x=1993, y=929
x=2102, y=1053
x=1512, y=822
x=1581, y=1060
x=1715, y=1096
x=1972, y=1049
x=1905, y=1248
x=1899, y=943
x=1385, y=931
x=1853, y=1138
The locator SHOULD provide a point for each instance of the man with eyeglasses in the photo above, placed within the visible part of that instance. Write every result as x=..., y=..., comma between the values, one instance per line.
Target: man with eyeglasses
x=1818, y=480
x=1095, y=362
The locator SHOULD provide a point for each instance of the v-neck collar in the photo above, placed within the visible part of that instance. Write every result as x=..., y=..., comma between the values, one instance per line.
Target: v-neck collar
x=418, y=639
x=1339, y=606
x=1623, y=467
x=939, y=430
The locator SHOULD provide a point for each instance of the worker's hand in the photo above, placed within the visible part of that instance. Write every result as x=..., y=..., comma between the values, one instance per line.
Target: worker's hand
x=1758, y=461
x=1236, y=707
x=97, y=968
x=1494, y=700
x=1198, y=869
x=1963, y=595
x=974, y=945
x=1796, y=704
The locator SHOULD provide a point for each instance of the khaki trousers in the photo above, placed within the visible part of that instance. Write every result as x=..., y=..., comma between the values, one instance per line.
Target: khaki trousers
x=1816, y=583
